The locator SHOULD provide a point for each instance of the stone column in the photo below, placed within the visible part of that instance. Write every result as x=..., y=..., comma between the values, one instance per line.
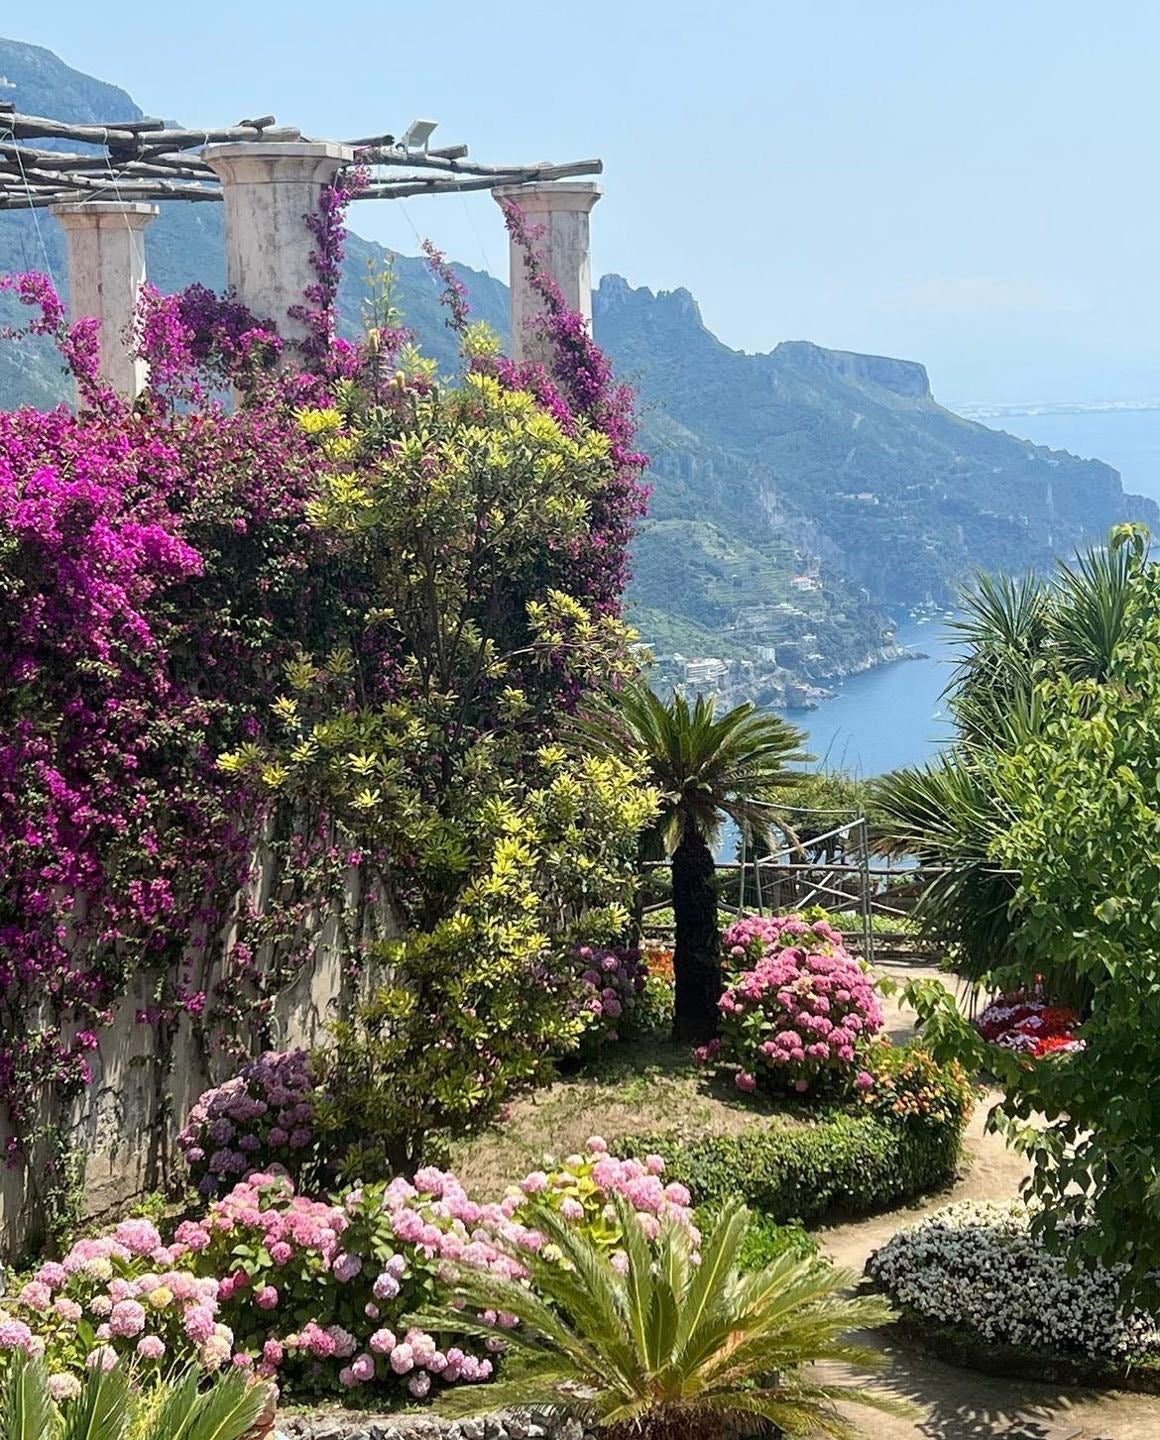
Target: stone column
x=269, y=189
x=106, y=268
x=560, y=209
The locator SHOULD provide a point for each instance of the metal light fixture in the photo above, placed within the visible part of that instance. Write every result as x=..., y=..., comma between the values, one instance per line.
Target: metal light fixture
x=419, y=132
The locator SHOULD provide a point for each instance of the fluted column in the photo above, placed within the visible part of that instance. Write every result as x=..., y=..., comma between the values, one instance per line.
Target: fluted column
x=560, y=209
x=106, y=268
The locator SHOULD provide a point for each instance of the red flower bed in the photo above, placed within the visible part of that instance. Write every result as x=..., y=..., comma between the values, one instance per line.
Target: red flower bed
x=1029, y=1025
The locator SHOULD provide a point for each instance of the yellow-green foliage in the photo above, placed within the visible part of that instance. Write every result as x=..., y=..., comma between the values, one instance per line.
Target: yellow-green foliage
x=482, y=1000
x=432, y=735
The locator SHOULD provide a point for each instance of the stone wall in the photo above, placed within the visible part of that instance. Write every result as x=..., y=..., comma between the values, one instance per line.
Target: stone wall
x=125, y=1124
x=356, y=1425
x=144, y=1083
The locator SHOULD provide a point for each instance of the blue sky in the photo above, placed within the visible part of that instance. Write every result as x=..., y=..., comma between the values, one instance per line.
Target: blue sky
x=974, y=186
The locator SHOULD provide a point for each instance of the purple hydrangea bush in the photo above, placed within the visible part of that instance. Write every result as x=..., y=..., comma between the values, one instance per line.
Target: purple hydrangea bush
x=798, y=1010
x=612, y=987
x=261, y=1119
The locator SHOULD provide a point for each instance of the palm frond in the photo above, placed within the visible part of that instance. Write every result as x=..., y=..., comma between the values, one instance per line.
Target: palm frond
x=167, y=1408
x=102, y=1410
x=669, y=1340
x=1093, y=607
x=228, y=1410
x=28, y=1409
x=704, y=765
x=947, y=815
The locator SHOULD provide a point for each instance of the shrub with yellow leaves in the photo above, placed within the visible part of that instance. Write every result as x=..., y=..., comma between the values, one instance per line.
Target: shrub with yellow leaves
x=464, y=519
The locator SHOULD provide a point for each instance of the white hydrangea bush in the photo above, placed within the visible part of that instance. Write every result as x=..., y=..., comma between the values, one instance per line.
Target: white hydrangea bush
x=976, y=1266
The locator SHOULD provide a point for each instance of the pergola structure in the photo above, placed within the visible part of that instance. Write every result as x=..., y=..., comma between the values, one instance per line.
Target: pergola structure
x=103, y=184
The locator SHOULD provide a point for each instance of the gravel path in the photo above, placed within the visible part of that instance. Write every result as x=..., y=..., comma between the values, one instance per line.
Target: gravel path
x=959, y=1404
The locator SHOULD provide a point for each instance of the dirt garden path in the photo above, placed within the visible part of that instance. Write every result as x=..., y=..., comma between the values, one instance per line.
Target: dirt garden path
x=959, y=1404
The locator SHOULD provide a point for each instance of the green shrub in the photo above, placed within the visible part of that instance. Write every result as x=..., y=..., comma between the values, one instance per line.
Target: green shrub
x=766, y=1241
x=850, y=1160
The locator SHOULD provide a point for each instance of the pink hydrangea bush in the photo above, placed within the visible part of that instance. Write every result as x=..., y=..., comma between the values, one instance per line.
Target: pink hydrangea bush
x=121, y=1295
x=316, y=1292
x=798, y=1010
x=581, y=1190
x=261, y=1119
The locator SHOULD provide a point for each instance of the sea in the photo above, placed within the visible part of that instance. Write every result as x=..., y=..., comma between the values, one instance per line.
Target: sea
x=895, y=714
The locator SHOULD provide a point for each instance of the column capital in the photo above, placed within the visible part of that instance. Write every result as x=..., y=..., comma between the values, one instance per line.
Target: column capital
x=543, y=197
x=268, y=162
x=269, y=191
x=130, y=214
x=558, y=212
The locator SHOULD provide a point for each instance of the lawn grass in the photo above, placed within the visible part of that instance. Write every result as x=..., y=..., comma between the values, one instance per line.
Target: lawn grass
x=646, y=1086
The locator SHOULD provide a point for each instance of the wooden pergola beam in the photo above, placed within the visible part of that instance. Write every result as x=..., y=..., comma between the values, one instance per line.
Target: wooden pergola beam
x=146, y=160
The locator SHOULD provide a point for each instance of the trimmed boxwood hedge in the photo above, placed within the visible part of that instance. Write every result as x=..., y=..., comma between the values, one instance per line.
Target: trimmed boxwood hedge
x=843, y=1162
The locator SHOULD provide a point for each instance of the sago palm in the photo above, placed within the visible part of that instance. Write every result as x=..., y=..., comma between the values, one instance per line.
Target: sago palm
x=670, y=1349
x=108, y=1408
x=708, y=768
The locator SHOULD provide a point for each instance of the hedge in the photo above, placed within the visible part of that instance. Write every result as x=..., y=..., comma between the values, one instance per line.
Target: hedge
x=844, y=1161
x=970, y=1351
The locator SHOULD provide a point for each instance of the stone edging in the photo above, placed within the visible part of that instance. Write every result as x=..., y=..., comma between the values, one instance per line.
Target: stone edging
x=356, y=1425
x=1013, y=1362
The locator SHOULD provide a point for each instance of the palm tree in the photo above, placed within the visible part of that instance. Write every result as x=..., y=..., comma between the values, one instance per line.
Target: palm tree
x=707, y=768
x=231, y=1407
x=949, y=812
x=670, y=1349
x=945, y=814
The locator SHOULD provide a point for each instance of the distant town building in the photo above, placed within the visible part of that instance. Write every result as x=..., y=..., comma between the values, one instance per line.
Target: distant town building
x=705, y=671
x=768, y=653
x=806, y=582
